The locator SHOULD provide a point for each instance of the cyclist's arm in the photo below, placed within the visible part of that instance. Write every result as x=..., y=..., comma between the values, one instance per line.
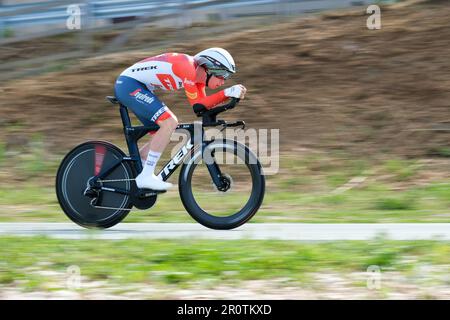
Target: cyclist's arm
x=196, y=93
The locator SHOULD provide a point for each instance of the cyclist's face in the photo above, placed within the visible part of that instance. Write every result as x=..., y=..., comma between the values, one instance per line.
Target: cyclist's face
x=215, y=82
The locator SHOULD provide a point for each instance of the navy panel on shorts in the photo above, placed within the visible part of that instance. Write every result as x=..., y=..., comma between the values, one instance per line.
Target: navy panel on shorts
x=136, y=96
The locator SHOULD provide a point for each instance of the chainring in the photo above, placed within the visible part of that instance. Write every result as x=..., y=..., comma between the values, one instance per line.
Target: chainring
x=144, y=203
x=141, y=203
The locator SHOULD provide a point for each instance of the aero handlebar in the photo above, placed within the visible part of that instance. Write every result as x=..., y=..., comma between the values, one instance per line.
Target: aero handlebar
x=200, y=109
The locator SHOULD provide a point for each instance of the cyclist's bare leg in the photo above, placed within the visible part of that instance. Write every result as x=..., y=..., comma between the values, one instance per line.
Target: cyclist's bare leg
x=144, y=150
x=161, y=138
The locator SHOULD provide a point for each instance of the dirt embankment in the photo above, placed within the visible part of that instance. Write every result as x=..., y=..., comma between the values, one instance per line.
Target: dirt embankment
x=325, y=81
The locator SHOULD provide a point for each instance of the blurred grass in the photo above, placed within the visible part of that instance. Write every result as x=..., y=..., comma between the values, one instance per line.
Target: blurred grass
x=2, y=153
x=399, y=203
x=421, y=204
x=443, y=152
x=402, y=169
x=35, y=262
x=308, y=188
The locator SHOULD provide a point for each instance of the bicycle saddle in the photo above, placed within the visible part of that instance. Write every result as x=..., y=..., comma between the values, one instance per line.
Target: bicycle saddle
x=112, y=99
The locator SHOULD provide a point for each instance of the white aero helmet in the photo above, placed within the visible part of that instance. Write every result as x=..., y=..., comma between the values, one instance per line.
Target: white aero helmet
x=217, y=61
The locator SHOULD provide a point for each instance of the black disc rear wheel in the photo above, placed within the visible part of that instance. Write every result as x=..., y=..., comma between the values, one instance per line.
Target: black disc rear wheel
x=77, y=168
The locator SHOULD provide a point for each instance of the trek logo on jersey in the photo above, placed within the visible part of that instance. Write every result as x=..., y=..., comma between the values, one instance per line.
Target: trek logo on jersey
x=144, y=68
x=142, y=96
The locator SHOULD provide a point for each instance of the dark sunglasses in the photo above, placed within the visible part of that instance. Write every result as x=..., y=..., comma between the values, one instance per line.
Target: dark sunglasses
x=220, y=73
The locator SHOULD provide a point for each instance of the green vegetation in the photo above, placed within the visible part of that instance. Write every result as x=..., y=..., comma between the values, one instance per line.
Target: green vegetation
x=312, y=188
x=2, y=153
x=420, y=204
x=402, y=169
x=33, y=161
x=442, y=152
x=36, y=262
x=395, y=204
x=8, y=33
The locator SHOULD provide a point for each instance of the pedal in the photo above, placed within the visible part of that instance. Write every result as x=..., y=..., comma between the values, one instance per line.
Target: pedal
x=145, y=193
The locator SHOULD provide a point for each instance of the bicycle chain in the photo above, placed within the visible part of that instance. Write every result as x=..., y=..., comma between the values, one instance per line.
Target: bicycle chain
x=111, y=208
x=116, y=180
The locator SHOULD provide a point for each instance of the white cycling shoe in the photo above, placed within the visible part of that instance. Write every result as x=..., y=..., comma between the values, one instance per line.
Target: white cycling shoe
x=151, y=182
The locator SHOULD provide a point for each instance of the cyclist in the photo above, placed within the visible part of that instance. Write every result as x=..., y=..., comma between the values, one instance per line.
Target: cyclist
x=172, y=71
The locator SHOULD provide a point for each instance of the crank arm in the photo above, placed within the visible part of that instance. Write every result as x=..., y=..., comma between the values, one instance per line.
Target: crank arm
x=115, y=190
x=145, y=193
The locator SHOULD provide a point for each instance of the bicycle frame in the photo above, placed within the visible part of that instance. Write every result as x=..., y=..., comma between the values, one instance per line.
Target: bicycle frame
x=107, y=174
x=132, y=136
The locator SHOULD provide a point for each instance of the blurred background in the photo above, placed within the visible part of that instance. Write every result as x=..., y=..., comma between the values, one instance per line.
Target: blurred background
x=364, y=122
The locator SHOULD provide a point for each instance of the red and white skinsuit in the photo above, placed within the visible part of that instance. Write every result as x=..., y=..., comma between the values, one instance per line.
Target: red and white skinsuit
x=173, y=71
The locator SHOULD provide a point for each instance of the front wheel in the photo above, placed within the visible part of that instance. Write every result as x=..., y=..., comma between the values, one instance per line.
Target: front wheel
x=239, y=194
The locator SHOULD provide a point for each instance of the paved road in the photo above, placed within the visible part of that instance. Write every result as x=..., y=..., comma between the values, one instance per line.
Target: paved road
x=259, y=231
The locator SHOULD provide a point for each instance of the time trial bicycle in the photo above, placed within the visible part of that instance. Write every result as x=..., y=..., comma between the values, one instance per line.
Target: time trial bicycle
x=221, y=182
